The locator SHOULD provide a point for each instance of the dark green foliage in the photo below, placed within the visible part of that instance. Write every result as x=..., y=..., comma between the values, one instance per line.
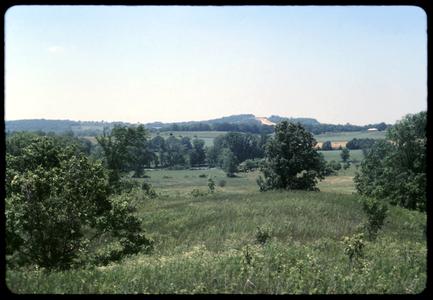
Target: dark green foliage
x=291, y=161
x=376, y=212
x=125, y=149
x=197, y=155
x=54, y=196
x=335, y=165
x=228, y=162
x=395, y=169
x=360, y=143
x=148, y=189
x=249, y=165
x=346, y=165
x=345, y=154
x=354, y=247
x=197, y=193
x=222, y=183
x=125, y=231
x=202, y=175
x=243, y=146
x=211, y=185
x=262, y=235
x=326, y=146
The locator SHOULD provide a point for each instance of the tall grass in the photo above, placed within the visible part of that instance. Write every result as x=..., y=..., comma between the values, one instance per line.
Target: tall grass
x=208, y=244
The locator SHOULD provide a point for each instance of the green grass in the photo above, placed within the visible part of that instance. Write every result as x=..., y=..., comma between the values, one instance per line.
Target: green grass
x=347, y=136
x=355, y=155
x=207, y=244
x=207, y=136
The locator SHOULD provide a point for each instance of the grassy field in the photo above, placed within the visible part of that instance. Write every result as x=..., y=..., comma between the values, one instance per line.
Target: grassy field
x=208, y=244
x=207, y=136
x=347, y=136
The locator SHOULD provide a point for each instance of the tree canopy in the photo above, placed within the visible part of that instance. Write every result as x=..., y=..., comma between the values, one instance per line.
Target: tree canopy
x=395, y=169
x=291, y=162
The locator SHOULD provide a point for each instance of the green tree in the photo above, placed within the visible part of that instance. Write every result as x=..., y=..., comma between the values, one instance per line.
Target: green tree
x=55, y=196
x=228, y=162
x=326, y=146
x=291, y=162
x=125, y=149
x=345, y=154
x=197, y=154
x=395, y=169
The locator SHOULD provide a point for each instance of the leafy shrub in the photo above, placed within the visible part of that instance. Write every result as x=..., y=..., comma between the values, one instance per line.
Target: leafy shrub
x=148, y=189
x=335, y=165
x=330, y=168
x=126, y=185
x=354, y=247
x=222, y=183
x=376, y=213
x=211, y=185
x=346, y=165
x=202, y=175
x=262, y=235
x=360, y=143
x=249, y=165
x=262, y=184
x=327, y=146
x=54, y=197
x=396, y=169
x=197, y=193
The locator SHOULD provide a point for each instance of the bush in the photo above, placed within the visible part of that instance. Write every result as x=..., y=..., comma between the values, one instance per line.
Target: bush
x=148, y=189
x=249, y=165
x=262, y=235
x=354, y=247
x=211, y=185
x=197, y=193
x=335, y=165
x=376, y=214
x=327, y=146
x=54, y=196
x=202, y=175
x=222, y=183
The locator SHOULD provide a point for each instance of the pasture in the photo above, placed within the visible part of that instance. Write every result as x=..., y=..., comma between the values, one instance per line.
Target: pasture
x=207, y=243
x=347, y=136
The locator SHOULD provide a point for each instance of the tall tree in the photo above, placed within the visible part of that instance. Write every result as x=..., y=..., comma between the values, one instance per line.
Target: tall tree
x=291, y=162
x=395, y=169
x=345, y=154
x=197, y=154
x=125, y=149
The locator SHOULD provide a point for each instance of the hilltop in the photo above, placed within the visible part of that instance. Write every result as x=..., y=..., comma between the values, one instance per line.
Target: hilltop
x=240, y=123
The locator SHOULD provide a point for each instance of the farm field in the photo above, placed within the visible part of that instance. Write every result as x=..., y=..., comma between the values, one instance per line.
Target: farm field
x=208, y=243
x=337, y=138
x=347, y=136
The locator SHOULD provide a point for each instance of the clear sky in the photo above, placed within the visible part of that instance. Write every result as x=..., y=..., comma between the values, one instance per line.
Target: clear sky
x=178, y=63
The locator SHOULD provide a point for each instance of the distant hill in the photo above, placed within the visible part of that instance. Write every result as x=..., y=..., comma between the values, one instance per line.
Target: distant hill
x=241, y=123
x=303, y=121
x=81, y=128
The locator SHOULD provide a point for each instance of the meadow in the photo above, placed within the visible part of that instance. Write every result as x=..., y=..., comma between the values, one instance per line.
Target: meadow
x=210, y=243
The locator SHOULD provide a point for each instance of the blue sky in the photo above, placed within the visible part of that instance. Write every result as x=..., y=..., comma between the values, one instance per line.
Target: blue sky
x=178, y=63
